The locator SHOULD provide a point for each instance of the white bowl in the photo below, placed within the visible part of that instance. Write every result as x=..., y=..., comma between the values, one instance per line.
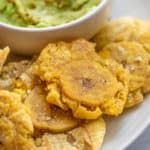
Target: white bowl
x=29, y=41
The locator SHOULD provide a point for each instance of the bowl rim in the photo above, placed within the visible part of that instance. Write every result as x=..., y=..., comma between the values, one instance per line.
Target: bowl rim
x=58, y=27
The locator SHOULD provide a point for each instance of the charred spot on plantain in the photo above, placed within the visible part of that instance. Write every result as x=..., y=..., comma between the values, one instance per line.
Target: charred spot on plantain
x=87, y=83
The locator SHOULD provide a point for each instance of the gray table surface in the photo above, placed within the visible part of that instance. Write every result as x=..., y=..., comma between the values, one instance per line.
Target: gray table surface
x=139, y=9
x=142, y=143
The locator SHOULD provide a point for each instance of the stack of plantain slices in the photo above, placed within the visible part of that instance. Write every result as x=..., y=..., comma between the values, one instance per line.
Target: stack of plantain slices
x=127, y=41
x=76, y=87
x=77, y=79
x=30, y=115
x=57, y=100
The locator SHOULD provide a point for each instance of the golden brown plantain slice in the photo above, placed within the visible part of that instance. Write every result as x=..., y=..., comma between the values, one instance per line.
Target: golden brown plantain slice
x=80, y=100
x=88, y=82
x=88, y=136
x=133, y=58
x=118, y=30
x=83, y=82
x=123, y=29
x=53, y=58
x=3, y=56
x=80, y=83
x=15, y=123
x=131, y=55
x=46, y=117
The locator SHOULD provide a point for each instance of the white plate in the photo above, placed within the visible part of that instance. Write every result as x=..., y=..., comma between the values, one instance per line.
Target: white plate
x=123, y=130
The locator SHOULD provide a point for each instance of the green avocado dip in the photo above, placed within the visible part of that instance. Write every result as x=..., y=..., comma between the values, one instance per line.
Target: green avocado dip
x=44, y=13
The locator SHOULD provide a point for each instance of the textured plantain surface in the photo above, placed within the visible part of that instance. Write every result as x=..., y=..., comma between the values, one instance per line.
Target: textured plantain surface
x=53, y=57
x=116, y=105
x=88, y=82
x=89, y=136
x=45, y=117
x=28, y=121
x=134, y=58
x=17, y=132
x=16, y=127
x=79, y=80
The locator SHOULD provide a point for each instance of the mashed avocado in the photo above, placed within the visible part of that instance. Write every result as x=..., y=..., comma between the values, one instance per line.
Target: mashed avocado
x=43, y=13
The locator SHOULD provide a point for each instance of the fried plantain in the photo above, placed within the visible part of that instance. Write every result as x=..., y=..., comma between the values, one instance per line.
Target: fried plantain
x=81, y=83
x=133, y=58
x=88, y=82
x=123, y=29
x=53, y=58
x=87, y=136
x=86, y=85
x=16, y=127
x=44, y=116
